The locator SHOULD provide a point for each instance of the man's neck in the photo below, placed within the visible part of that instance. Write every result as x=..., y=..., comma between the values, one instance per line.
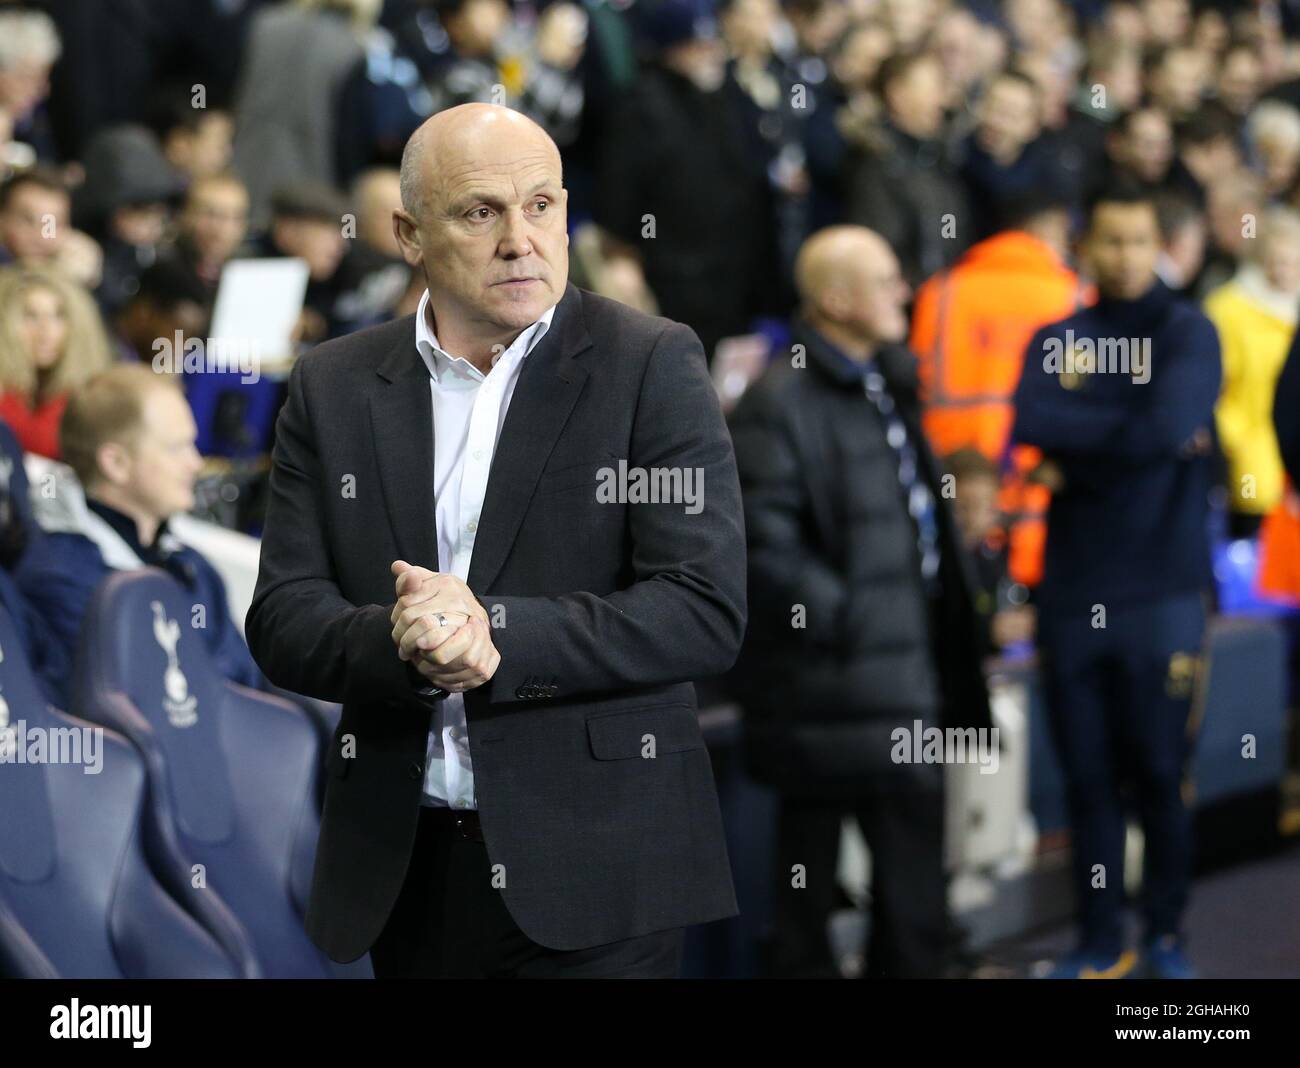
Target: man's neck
x=852, y=345
x=146, y=526
x=479, y=351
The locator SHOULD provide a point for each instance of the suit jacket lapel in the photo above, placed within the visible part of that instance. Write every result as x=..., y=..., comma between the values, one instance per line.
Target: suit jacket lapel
x=401, y=420
x=401, y=415
x=550, y=381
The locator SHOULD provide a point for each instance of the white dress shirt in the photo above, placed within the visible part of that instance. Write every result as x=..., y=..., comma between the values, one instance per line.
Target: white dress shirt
x=469, y=410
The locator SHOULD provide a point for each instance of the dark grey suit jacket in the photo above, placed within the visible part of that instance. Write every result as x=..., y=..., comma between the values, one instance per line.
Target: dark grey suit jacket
x=602, y=613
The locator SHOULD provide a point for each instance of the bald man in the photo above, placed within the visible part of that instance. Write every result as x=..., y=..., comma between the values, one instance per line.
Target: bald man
x=506, y=533
x=862, y=633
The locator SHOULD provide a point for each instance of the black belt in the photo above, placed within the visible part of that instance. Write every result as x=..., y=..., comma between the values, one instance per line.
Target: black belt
x=462, y=822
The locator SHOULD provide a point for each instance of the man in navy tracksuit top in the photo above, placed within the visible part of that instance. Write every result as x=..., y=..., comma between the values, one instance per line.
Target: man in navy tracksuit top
x=1120, y=398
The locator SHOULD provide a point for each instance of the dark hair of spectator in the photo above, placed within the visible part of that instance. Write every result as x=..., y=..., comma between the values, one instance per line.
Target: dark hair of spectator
x=42, y=177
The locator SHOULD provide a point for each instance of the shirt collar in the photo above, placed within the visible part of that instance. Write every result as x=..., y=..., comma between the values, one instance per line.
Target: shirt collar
x=436, y=357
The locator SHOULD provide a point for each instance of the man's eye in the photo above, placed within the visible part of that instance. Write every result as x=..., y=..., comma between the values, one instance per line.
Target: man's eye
x=543, y=204
x=477, y=213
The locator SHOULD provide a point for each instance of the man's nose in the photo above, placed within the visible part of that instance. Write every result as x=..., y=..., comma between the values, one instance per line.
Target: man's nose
x=514, y=236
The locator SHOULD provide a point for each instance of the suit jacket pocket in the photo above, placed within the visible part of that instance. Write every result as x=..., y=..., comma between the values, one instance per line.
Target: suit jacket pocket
x=629, y=731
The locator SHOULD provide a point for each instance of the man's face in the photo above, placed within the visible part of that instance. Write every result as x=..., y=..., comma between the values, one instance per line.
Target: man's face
x=493, y=240
x=318, y=241
x=161, y=462
x=33, y=222
x=879, y=298
x=1148, y=146
x=975, y=507
x=1122, y=248
x=917, y=99
x=1008, y=119
x=23, y=86
x=216, y=219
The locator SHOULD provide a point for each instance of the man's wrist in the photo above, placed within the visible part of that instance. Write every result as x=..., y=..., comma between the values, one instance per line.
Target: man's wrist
x=420, y=684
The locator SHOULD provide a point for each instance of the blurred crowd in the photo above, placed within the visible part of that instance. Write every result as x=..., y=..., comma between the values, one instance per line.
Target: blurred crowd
x=145, y=144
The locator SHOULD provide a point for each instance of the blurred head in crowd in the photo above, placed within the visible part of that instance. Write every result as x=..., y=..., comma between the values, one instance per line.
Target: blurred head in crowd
x=29, y=45
x=975, y=496
x=749, y=27
x=851, y=289
x=1273, y=130
x=1122, y=243
x=683, y=36
x=168, y=300
x=1177, y=77
x=1165, y=21
x=34, y=214
x=856, y=57
x=1045, y=215
x=912, y=90
x=474, y=25
x=1240, y=78
x=51, y=338
x=214, y=221
x=1037, y=26
x=1142, y=145
x=1233, y=203
x=484, y=215
x=1183, y=235
x=197, y=141
x=1007, y=117
x=817, y=24
x=130, y=189
x=1207, y=144
x=129, y=435
x=307, y=222
x=377, y=194
x=1276, y=250
x=1112, y=78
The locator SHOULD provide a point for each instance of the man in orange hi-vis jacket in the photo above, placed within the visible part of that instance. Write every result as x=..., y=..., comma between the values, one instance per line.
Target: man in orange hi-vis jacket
x=970, y=326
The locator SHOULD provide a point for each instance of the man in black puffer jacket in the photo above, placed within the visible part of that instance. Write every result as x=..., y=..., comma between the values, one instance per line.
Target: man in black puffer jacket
x=862, y=627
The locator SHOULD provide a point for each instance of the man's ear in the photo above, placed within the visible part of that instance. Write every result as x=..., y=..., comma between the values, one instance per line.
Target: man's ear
x=408, y=238
x=113, y=463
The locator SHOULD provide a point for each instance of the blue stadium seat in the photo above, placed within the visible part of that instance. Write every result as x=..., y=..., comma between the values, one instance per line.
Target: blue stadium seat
x=232, y=771
x=77, y=897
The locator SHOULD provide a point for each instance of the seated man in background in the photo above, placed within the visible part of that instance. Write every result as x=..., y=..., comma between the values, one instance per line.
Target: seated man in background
x=129, y=436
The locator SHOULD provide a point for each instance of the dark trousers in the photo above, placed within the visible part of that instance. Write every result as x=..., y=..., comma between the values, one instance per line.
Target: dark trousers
x=450, y=921
x=1119, y=700
x=904, y=832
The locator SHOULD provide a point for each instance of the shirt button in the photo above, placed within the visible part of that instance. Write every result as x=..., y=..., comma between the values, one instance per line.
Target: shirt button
x=478, y=454
x=472, y=525
x=460, y=804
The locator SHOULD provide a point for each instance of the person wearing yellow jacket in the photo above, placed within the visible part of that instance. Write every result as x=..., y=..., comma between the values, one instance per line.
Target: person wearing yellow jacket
x=1255, y=314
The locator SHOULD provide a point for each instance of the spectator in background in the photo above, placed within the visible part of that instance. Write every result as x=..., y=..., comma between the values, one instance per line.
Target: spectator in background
x=1207, y=151
x=376, y=195
x=1233, y=206
x=126, y=203
x=1255, y=315
x=1006, y=157
x=861, y=611
x=679, y=189
x=1002, y=605
x=51, y=341
x=970, y=326
x=1127, y=435
x=128, y=436
x=198, y=141
x=1240, y=79
x=168, y=301
x=297, y=59
x=35, y=214
x=1176, y=79
x=1140, y=148
x=1184, y=234
x=900, y=180
x=1273, y=134
x=29, y=45
x=349, y=286
x=211, y=228
x=489, y=54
